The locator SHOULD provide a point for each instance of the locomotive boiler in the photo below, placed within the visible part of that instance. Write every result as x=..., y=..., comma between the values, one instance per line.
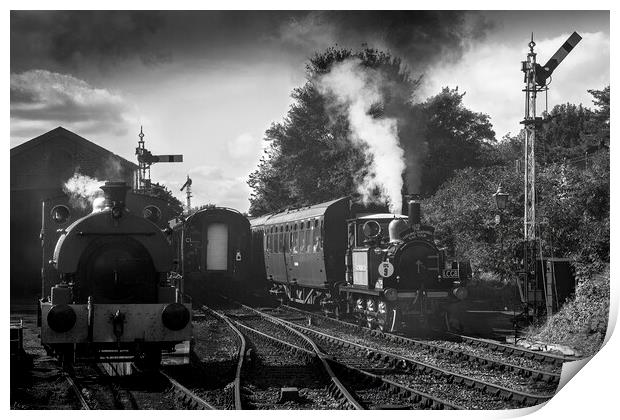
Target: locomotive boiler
x=112, y=298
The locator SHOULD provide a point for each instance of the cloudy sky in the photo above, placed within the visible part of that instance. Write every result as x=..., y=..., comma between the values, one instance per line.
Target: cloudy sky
x=208, y=84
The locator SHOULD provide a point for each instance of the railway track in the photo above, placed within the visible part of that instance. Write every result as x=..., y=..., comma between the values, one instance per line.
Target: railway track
x=510, y=350
x=214, y=358
x=95, y=388
x=471, y=391
x=78, y=394
x=281, y=371
x=486, y=354
x=370, y=390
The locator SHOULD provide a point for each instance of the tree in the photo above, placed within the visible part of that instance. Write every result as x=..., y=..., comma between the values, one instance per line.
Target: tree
x=569, y=132
x=457, y=138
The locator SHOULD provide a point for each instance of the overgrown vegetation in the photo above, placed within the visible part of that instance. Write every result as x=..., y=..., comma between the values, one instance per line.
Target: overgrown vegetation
x=582, y=321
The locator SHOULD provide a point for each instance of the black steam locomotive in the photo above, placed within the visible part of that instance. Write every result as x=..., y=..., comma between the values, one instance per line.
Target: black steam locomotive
x=383, y=268
x=112, y=298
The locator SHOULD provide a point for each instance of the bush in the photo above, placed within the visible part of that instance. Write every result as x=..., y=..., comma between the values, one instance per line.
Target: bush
x=582, y=321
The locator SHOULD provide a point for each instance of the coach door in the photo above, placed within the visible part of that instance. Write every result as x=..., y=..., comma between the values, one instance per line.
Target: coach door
x=217, y=247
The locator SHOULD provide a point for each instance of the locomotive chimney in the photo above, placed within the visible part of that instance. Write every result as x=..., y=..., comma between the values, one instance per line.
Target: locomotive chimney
x=413, y=210
x=115, y=193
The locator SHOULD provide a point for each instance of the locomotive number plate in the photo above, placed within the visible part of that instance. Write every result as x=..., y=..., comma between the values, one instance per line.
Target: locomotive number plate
x=451, y=273
x=386, y=269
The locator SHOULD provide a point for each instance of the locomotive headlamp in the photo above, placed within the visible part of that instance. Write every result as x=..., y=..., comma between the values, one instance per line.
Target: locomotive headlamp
x=460, y=293
x=175, y=316
x=60, y=214
x=61, y=318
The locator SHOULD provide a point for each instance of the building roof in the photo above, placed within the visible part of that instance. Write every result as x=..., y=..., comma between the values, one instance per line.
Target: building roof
x=64, y=133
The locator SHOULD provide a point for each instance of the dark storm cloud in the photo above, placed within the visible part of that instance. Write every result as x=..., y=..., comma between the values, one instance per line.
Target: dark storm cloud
x=66, y=39
x=418, y=37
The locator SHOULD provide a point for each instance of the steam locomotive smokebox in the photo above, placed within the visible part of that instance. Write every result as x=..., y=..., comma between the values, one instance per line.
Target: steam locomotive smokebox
x=115, y=192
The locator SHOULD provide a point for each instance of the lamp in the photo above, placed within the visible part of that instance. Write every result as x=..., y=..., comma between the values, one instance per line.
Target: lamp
x=501, y=198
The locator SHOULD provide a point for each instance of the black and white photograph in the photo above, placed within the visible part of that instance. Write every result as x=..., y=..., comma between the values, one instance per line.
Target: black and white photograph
x=308, y=209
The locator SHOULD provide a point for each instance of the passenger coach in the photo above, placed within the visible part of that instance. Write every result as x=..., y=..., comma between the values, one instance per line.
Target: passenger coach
x=213, y=250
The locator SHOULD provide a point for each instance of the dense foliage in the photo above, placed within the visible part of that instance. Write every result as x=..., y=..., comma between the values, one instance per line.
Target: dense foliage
x=457, y=138
x=573, y=205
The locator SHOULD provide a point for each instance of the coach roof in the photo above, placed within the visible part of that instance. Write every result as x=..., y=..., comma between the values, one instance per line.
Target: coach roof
x=291, y=215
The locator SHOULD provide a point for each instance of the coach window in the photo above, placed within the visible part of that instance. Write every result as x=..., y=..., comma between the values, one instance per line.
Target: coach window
x=315, y=235
x=308, y=247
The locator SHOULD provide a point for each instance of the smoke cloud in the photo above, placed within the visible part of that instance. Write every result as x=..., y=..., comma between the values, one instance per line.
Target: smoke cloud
x=82, y=190
x=355, y=90
x=420, y=37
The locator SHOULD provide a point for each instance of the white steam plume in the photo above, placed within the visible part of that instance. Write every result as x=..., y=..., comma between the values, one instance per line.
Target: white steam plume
x=355, y=90
x=82, y=190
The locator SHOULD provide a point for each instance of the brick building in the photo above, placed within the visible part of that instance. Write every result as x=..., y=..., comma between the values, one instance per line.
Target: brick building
x=39, y=168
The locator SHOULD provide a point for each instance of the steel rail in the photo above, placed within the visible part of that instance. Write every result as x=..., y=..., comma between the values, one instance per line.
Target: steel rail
x=240, y=355
x=77, y=391
x=553, y=359
x=492, y=389
x=419, y=396
x=536, y=374
x=187, y=396
x=337, y=386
